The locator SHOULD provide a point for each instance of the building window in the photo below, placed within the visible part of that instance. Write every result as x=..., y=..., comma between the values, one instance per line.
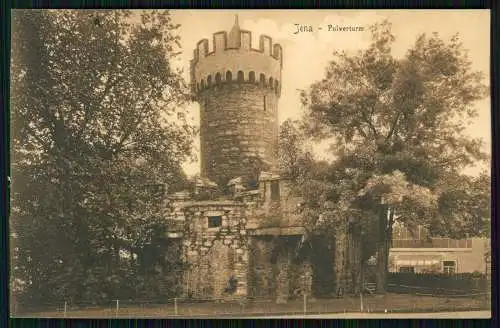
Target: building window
x=407, y=269
x=214, y=221
x=449, y=267
x=275, y=190
x=265, y=101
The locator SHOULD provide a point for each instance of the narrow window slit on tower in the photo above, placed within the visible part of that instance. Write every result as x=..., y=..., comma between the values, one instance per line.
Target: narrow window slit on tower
x=262, y=79
x=241, y=77
x=265, y=100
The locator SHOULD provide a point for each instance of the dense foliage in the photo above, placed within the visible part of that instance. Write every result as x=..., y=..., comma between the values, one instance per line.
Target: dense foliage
x=398, y=134
x=99, y=133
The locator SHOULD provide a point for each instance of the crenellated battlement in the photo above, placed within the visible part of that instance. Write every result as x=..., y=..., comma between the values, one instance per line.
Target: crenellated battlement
x=234, y=59
x=220, y=43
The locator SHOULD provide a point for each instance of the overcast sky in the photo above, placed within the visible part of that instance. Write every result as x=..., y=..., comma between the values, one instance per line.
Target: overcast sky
x=305, y=55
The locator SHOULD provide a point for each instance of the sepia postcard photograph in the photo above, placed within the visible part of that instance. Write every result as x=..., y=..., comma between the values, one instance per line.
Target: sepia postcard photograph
x=250, y=164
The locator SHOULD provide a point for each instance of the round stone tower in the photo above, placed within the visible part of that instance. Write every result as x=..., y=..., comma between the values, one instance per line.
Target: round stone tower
x=237, y=87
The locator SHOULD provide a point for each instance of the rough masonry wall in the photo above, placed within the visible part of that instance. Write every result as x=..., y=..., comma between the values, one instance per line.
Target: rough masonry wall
x=262, y=273
x=213, y=255
x=301, y=279
x=239, y=129
x=273, y=273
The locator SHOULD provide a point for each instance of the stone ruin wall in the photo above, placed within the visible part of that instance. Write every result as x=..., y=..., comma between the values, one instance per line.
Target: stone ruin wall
x=261, y=272
x=273, y=273
x=213, y=255
x=262, y=268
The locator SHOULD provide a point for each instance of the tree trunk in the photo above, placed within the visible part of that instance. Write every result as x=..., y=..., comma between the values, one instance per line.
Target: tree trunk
x=340, y=263
x=382, y=250
x=355, y=259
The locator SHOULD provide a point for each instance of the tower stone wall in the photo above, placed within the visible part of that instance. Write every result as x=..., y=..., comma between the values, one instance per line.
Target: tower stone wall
x=237, y=87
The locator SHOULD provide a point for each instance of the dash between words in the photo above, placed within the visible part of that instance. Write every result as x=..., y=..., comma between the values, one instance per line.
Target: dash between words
x=300, y=28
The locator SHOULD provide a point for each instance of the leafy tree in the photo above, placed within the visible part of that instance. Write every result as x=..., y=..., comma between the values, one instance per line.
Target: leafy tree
x=398, y=130
x=97, y=113
x=464, y=207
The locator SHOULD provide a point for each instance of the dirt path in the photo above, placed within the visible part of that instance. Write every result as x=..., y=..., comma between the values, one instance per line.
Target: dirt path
x=435, y=315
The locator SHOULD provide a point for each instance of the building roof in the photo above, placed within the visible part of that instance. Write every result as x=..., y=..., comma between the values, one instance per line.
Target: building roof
x=418, y=257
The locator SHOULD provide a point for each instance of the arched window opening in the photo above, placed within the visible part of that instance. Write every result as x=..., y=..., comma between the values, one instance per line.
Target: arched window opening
x=241, y=76
x=251, y=76
x=276, y=85
x=202, y=84
x=197, y=87
x=262, y=79
x=271, y=82
x=217, y=78
x=229, y=76
x=209, y=80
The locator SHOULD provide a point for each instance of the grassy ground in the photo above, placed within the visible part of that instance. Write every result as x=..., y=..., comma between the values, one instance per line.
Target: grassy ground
x=393, y=303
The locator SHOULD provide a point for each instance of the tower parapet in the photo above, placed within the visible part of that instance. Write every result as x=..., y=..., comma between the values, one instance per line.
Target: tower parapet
x=234, y=59
x=237, y=87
